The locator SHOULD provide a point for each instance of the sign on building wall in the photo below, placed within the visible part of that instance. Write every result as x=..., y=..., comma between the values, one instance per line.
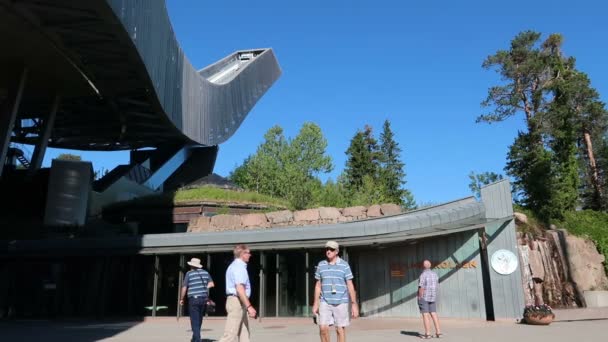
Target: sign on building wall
x=504, y=261
x=397, y=270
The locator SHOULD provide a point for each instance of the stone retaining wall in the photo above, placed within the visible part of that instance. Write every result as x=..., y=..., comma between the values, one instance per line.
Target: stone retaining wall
x=284, y=218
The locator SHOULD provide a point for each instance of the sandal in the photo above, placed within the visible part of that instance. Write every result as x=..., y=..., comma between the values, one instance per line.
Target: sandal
x=438, y=335
x=425, y=336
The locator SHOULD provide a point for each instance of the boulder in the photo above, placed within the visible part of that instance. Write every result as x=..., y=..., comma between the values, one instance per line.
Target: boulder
x=520, y=218
x=254, y=221
x=329, y=213
x=358, y=211
x=199, y=224
x=226, y=222
x=390, y=209
x=585, y=264
x=279, y=217
x=307, y=215
x=374, y=211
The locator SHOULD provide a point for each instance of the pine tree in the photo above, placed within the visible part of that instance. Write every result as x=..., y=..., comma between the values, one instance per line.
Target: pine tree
x=363, y=159
x=392, y=174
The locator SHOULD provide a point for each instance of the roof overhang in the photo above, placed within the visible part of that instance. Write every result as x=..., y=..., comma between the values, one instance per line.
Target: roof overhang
x=449, y=218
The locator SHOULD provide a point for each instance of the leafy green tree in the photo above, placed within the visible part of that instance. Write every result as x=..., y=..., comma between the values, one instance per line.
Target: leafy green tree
x=286, y=168
x=331, y=194
x=391, y=172
x=262, y=172
x=372, y=191
x=477, y=181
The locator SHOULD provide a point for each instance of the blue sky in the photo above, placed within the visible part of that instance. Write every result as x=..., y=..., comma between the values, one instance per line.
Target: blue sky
x=416, y=63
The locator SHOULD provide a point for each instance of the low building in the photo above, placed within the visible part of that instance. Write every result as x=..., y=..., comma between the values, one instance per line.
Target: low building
x=471, y=244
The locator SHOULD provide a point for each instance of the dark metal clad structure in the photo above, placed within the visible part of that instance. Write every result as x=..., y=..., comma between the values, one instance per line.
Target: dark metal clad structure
x=124, y=80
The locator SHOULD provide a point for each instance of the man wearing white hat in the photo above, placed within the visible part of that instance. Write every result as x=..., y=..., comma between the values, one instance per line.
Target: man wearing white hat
x=333, y=289
x=197, y=283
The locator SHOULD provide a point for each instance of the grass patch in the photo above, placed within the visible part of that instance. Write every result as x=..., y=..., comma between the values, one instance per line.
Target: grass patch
x=208, y=193
x=590, y=224
x=202, y=194
x=534, y=226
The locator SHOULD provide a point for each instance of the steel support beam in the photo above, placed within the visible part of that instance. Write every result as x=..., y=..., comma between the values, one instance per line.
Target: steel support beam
x=276, y=285
x=307, y=266
x=47, y=128
x=155, y=291
x=262, y=304
x=180, y=283
x=8, y=115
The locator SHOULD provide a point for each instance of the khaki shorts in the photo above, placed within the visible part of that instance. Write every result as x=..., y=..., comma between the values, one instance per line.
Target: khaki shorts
x=334, y=314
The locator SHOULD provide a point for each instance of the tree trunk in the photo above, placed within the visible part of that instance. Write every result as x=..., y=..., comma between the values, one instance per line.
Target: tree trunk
x=595, y=181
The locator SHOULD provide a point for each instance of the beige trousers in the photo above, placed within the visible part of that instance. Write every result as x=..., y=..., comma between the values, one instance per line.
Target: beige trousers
x=237, y=322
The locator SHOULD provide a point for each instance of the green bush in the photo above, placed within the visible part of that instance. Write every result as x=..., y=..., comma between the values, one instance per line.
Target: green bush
x=534, y=225
x=590, y=224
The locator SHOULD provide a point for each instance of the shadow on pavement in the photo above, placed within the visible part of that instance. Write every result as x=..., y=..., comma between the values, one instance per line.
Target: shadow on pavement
x=62, y=331
x=581, y=320
x=410, y=333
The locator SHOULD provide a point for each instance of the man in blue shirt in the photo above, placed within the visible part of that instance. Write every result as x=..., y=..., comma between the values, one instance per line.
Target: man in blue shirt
x=238, y=290
x=332, y=291
x=197, y=283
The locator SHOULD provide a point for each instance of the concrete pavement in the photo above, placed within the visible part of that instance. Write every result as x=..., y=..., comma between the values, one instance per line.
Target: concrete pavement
x=579, y=325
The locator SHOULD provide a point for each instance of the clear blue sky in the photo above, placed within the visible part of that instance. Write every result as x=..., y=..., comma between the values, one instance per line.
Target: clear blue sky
x=348, y=63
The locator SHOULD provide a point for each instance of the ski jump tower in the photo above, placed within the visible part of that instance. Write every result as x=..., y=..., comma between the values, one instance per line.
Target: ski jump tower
x=109, y=75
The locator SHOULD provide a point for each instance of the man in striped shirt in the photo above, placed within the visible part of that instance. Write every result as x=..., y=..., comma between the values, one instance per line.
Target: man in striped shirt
x=428, y=284
x=197, y=283
x=333, y=289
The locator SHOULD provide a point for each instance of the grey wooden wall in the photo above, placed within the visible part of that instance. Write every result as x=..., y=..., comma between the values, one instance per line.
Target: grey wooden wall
x=460, y=289
x=507, y=292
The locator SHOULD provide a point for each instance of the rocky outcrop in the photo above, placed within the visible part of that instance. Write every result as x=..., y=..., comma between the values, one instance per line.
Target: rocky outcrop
x=285, y=218
x=520, y=218
x=557, y=268
x=585, y=264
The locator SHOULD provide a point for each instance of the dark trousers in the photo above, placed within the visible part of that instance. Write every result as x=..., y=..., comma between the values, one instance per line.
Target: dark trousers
x=196, y=309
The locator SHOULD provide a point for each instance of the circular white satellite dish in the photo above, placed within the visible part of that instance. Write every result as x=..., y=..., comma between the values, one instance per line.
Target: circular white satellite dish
x=504, y=261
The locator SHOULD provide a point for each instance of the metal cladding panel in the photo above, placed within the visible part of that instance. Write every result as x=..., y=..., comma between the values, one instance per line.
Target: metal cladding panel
x=507, y=292
x=206, y=112
x=70, y=185
x=389, y=277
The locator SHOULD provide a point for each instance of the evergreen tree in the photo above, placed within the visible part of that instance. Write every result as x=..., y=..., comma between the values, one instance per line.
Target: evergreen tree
x=540, y=163
x=392, y=174
x=363, y=159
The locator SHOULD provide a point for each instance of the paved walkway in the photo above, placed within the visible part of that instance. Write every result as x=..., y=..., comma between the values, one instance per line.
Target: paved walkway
x=580, y=325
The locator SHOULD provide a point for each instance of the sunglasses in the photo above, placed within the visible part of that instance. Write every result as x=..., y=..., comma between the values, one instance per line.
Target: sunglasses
x=330, y=249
